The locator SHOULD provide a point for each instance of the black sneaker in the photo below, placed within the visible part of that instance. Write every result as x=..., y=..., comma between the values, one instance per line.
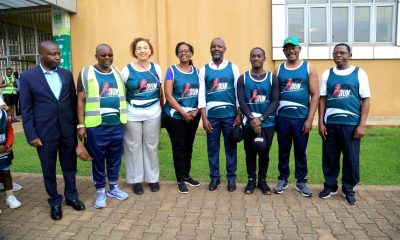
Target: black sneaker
x=251, y=185
x=154, y=187
x=191, y=182
x=182, y=187
x=326, y=193
x=263, y=186
x=137, y=188
x=350, y=198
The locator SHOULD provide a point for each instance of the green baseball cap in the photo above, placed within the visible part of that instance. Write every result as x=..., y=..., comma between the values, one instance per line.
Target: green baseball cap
x=291, y=40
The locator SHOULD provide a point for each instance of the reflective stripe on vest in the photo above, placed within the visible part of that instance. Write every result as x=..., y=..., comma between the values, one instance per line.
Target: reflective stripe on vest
x=92, y=105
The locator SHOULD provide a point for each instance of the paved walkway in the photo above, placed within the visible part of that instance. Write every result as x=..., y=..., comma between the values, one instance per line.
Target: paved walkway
x=202, y=214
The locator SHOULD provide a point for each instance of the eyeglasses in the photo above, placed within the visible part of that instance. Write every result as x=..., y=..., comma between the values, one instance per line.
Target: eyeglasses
x=339, y=53
x=183, y=51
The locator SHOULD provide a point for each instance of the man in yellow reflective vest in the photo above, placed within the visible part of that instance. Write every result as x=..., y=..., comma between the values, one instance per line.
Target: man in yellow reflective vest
x=10, y=97
x=101, y=115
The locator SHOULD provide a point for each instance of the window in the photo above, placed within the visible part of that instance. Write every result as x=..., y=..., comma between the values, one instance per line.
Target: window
x=371, y=27
x=332, y=21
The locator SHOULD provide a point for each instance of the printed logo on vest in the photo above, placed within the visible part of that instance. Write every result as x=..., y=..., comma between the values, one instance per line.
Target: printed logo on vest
x=341, y=91
x=257, y=98
x=219, y=84
x=189, y=92
x=107, y=90
x=292, y=85
x=146, y=87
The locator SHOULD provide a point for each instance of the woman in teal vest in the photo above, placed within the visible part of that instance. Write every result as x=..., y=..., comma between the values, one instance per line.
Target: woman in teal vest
x=181, y=115
x=145, y=99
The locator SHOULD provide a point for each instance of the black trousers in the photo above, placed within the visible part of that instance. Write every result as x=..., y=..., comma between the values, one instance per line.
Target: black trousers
x=251, y=154
x=340, y=140
x=181, y=134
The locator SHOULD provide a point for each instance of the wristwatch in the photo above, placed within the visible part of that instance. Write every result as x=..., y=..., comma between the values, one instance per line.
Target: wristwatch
x=79, y=126
x=261, y=119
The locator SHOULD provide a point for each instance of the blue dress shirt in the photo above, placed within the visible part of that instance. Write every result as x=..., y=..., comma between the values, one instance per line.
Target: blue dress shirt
x=54, y=81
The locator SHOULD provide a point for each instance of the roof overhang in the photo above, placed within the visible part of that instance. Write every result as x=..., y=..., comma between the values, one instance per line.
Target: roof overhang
x=68, y=5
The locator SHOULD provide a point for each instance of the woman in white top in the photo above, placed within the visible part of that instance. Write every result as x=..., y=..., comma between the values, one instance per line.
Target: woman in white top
x=145, y=99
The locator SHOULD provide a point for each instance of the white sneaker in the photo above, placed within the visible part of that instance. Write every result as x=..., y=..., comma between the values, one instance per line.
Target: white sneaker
x=12, y=202
x=16, y=187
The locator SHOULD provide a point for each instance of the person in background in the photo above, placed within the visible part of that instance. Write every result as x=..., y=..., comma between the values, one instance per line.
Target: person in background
x=142, y=132
x=18, y=103
x=181, y=116
x=15, y=186
x=6, y=156
x=298, y=102
x=343, y=110
x=101, y=116
x=258, y=96
x=9, y=91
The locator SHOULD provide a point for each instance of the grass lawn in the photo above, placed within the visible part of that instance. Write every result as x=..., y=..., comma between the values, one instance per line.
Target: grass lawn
x=379, y=165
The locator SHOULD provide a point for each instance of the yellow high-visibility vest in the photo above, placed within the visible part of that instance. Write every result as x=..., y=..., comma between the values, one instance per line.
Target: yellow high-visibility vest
x=10, y=89
x=92, y=106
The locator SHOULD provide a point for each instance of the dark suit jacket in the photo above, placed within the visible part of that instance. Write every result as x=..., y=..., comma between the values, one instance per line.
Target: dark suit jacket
x=43, y=116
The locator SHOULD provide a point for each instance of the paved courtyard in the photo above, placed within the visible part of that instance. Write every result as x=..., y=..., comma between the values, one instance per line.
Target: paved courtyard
x=202, y=214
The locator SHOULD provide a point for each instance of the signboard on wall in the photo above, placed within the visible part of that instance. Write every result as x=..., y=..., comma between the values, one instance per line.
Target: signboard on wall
x=62, y=35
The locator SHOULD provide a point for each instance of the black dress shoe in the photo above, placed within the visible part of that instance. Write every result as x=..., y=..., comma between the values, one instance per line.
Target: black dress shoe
x=214, y=184
x=75, y=204
x=154, y=187
x=231, y=185
x=137, y=188
x=56, y=212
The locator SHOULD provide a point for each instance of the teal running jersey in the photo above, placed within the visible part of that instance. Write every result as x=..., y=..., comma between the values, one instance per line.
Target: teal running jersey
x=343, y=101
x=220, y=92
x=109, y=99
x=185, y=91
x=294, y=97
x=142, y=88
x=257, y=94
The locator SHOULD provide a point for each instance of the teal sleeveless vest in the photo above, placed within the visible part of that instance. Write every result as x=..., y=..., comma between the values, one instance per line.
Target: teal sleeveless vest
x=220, y=92
x=294, y=97
x=185, y=91
x=257, y=95
x=142, y=88
x=343, y=101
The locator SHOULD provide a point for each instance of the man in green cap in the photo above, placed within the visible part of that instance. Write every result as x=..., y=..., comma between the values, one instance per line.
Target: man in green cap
x=298, y=83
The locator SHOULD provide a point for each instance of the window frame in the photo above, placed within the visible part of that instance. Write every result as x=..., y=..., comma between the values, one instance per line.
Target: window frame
x=361, y=50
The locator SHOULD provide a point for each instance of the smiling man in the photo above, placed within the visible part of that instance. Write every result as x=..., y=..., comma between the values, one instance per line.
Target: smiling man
x=219, y=111
x=101, y=115
x=343, y=110
x=298, y=83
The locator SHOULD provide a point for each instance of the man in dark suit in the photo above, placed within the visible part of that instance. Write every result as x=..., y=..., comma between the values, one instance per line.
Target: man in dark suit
x=48, y=102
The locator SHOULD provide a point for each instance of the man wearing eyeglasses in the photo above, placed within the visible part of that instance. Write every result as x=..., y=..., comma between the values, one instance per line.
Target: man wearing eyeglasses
x=343, y=110
x=101, y=115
